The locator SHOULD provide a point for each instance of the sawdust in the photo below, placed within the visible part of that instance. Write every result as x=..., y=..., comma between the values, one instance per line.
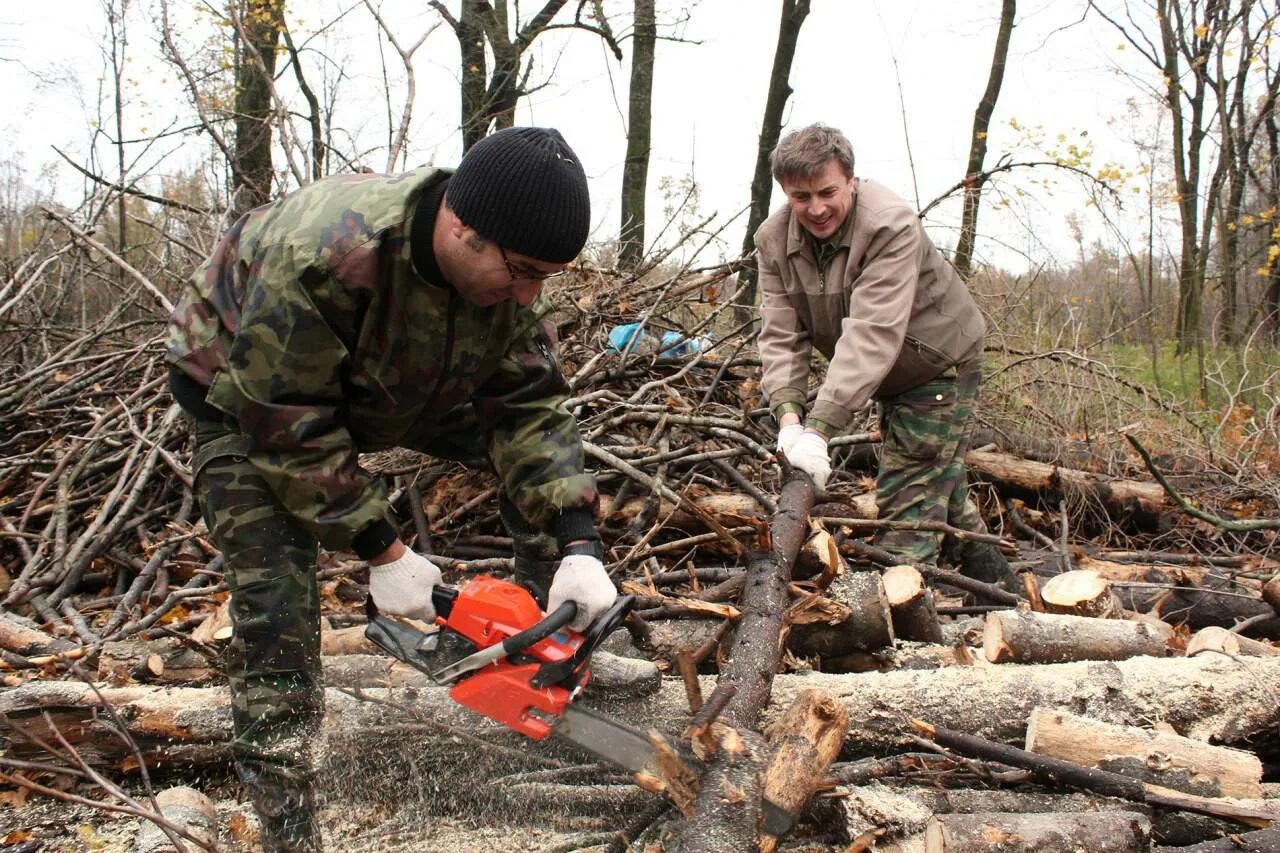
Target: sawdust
x=68, y=828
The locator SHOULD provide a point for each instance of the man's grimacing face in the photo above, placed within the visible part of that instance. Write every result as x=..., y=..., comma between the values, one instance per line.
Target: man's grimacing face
x=822, y=202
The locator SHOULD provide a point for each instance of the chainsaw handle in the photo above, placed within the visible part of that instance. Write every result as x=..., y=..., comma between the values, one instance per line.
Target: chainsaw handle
x=606, y=624
x=552, y=622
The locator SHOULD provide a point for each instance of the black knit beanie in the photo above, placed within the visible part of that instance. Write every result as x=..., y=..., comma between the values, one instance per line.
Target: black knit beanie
x=524, y=189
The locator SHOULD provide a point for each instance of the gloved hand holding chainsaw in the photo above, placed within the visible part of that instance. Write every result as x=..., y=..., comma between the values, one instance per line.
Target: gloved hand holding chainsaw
x=402, y=586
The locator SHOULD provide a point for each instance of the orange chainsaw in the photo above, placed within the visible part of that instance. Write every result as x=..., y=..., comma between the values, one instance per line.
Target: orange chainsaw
x=504, y=660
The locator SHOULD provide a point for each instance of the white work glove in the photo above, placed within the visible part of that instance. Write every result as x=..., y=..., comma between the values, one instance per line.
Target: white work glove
x=787, y=437
x=582, y=579
x=809, y=454
x=403, y=586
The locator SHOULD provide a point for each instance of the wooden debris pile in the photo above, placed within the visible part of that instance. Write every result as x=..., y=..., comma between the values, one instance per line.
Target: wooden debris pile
x=829, y=696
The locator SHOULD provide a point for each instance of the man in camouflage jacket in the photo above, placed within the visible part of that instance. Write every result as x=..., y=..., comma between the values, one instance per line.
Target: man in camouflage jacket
x=847, y=269
x=359, y=313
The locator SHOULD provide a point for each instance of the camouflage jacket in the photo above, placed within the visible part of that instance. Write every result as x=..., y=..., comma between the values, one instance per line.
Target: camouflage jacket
x=310, y=327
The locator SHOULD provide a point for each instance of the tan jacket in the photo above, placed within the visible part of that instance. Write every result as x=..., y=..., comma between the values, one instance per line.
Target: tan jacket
x=890, y=313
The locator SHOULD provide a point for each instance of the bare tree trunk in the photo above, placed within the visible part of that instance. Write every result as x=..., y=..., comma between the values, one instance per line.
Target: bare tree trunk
x=978, y=143
x=474, y=73
x=635, y=173
x=793, y=14
x=263, y=22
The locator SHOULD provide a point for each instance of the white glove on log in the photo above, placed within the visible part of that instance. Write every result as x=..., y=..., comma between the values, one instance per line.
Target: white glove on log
x=582, y=579
x=787, y=437
x=809, y=454
x=403, y=586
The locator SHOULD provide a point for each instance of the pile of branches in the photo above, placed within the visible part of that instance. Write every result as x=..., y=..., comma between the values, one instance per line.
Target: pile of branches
x=106, y=569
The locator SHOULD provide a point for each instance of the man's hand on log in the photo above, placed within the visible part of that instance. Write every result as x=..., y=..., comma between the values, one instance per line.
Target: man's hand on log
x=809, y=454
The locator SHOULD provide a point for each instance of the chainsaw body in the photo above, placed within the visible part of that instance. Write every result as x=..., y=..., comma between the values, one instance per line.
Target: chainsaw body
x=502, y=658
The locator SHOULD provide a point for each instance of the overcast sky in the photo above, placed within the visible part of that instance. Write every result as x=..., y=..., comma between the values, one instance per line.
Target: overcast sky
x=887, y=72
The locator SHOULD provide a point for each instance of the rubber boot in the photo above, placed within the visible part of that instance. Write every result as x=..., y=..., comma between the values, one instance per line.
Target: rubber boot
x=285, y=807
x=983, y=561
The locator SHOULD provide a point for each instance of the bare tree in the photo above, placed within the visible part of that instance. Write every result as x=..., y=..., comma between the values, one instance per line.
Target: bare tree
x=793, y=14
x=1240, y=124
x=489, y=97
x=396, y=145
x=635, y=172
x=1182, y=51
x=261, y=23
x=978, y=142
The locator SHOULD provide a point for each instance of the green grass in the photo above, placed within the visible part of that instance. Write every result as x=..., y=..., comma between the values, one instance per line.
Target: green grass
x=1249, y=376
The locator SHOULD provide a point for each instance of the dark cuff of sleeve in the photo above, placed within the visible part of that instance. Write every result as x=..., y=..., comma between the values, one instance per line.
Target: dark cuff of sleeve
x=573, y=524
x=837, y=417
x=374, y=539
x=821, y=426
x=588, y=547
x=787, y=409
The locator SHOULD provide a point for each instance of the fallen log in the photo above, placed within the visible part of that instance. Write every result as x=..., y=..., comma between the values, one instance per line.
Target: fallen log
x=911, y=603
x=862, y=621
x=184, y=808
x=1196, y=596
x=1058, y=771
x=1208, y=697
x=29, y=642
x=1150, y=756
x=727, y=810
x=1261, y=841
x=1079, y=593
x=1013, y=636
x=720, y=505
x=1218, y=639
x=903, y=811
x=1140, y=499
x=167, y=660
x=900, y=656
x=1097, y=832
x=805, y=740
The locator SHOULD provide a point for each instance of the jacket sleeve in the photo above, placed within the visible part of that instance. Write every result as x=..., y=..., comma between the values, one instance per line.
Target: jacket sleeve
x=534, y=442
x=784, y=343
x=284, y=385
x=872, y=332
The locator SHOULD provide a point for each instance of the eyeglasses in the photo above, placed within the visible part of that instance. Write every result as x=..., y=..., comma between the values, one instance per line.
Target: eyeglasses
x=527, y=274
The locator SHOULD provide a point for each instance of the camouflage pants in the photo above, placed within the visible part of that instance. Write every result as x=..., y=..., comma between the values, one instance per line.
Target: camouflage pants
x=274, y=657
x=925, y=434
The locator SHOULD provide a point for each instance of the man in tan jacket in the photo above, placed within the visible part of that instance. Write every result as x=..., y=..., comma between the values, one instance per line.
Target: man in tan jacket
x=847, y=269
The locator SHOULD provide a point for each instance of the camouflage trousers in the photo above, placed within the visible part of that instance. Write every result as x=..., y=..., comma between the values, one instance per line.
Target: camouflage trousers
x=924, y=437
x=273, y=663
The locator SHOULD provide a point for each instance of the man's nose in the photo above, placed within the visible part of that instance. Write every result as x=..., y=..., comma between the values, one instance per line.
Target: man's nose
x=524, y=291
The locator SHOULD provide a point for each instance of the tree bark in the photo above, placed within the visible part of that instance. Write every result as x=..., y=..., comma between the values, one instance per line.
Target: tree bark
x=1163, y=759
x=1098, y=832
x=859, y=620
x=805, y=741
x=1208, y=697
x=635, y=171
x=911, y=602
x=1012, y=636
x=793, y=14
x=978, y=142
x=1142, y=500
x=253, y=176
x=727, y=808
x=1217, y=639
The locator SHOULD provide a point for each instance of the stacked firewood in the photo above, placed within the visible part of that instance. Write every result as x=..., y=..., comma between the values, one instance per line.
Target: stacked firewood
x=864, y=701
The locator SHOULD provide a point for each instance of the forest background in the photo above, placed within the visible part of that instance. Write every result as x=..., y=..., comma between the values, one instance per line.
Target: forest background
x=1106, y=173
